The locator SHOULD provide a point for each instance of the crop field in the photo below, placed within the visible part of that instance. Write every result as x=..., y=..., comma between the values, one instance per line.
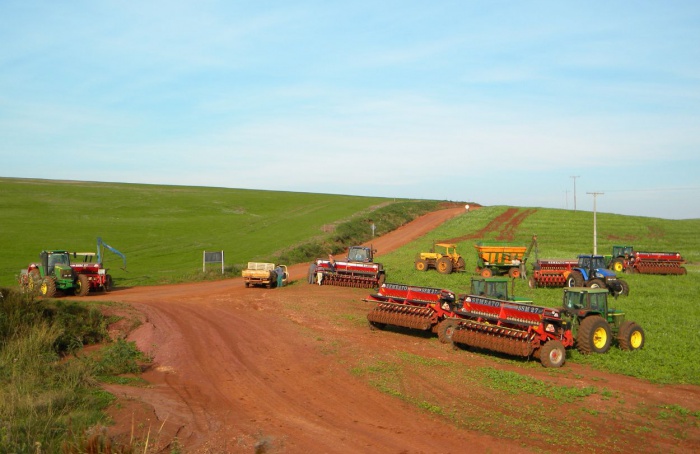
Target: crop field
x=667, y=307
x=162, y=230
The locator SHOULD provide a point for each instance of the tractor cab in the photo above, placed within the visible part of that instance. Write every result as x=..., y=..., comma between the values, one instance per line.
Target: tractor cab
x=361, y=254
x=622, y=251
x=497, y=288
x=50, y=260
x=582, y=301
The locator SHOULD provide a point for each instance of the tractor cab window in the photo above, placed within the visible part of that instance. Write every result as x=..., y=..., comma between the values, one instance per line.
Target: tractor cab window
x=598, y=301
x=497, y=289
x=478, y=287
x=359, y=255
x=597, y=262
x=574, y=301
x=55, y=259
x=584, y=262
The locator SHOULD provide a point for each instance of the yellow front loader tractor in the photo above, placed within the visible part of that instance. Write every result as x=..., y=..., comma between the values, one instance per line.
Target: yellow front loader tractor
x=445, y=262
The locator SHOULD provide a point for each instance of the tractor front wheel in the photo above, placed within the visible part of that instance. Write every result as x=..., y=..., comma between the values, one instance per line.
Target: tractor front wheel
x=575, y=279
x=444, y=265
x=596, y=283
x=48, y=287
x=624, y=288
x=593, y=335
x=421, y=265
x=553, y=354
x=631, y=336
x=82, y=285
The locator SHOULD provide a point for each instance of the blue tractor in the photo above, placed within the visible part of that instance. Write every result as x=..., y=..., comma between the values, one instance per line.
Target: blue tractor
x=591, y=272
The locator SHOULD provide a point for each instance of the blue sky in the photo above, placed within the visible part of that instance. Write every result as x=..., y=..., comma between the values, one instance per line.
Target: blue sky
x=499, y=103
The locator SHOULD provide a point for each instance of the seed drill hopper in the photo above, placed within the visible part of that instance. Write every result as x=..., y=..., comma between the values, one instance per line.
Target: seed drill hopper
x=358, y=270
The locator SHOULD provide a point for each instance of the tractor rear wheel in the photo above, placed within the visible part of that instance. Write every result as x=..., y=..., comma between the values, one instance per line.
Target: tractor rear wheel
x=444, y=265
x=421, y=265
x=594, y=335
x=618, y=265
x=553, y=354
x=486, y=272
x=596, y=283
x=445, y=330
x=34, y=280
x=48, y=287
x=82, y=285
x=575, y=279
x=631, y=336
x=461, y=265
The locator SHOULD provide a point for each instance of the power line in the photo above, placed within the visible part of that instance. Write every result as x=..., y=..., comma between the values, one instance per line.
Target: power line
x=653, y=190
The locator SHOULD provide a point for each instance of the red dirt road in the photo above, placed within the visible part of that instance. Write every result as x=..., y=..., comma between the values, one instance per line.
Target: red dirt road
x=256, y=370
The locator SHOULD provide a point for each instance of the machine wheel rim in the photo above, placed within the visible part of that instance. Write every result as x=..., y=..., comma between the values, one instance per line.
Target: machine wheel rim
x=617, y=267
x=555, y=356
x=600, y=338
x=636, y=339
x=44, y=288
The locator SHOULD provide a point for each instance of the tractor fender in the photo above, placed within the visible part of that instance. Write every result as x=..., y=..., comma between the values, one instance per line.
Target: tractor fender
x=583, y=272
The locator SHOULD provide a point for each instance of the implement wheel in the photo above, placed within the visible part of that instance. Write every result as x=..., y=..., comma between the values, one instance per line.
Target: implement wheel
x=82, y=285
x=553, y=354
x=593, y=335
x=376, y=326
x=446, y=329
x=514, y=272
x=486, y=272
x=631, y=336
x=422, y=265
x=444, y=265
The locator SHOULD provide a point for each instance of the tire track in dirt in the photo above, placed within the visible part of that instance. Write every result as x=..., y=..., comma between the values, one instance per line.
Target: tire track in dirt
x=506, y=224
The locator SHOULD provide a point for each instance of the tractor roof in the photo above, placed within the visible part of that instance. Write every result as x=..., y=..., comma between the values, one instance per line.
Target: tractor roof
x=445, y=245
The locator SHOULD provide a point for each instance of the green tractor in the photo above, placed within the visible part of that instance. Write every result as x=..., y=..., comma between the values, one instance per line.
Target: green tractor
x=496, y=287
x=54, y=274
x=594, y=325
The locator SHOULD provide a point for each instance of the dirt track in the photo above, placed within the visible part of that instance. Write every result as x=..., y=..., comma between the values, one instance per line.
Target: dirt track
x=254, y=370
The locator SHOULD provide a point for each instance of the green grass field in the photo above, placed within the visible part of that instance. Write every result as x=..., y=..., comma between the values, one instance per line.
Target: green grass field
x=667, y=307
x=162, y=230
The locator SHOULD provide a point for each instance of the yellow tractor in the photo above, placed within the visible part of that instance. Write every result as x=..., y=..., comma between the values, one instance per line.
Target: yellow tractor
x=445, y=263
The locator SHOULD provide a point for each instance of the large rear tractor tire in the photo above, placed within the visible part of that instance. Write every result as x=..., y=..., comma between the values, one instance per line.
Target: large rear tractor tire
x=631, y=336
x=34, y=281
x=575, y=279
x=618, y=265
x=421, y=265
x=596, y=283
x=445, y=330
x=444, y=265
x=47, y=289
x=594, y=335
x=553, y=354
x=461, y=265
x=82, y=285
x=486, y=272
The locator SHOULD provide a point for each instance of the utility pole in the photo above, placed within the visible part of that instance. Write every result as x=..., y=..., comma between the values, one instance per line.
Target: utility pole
x=595, y=222
x=574, y=177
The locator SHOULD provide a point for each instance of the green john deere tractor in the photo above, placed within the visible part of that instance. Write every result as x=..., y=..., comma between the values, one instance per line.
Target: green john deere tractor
x=52, y=274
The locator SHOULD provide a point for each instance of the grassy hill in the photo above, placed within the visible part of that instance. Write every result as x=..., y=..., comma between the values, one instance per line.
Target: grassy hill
x=163, y=230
